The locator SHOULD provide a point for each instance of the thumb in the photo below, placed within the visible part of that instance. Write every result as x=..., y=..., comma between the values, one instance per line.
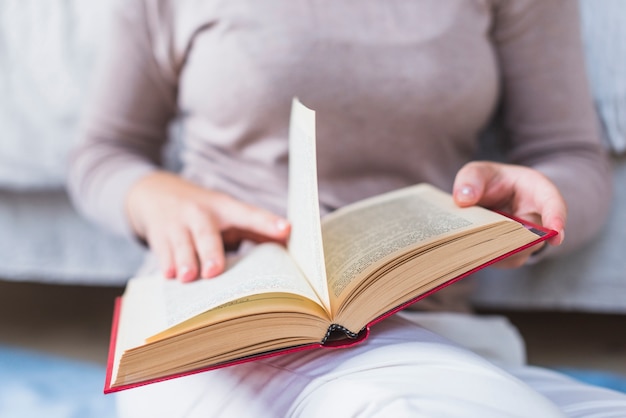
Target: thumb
x=471, y=181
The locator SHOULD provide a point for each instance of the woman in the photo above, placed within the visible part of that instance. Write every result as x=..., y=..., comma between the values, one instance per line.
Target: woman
x=402, y=91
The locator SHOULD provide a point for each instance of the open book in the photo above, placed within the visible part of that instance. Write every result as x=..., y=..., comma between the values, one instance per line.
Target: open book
x=336, y=278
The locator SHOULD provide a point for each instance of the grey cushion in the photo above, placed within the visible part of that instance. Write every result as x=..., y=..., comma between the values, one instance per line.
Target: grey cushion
x=44, y=239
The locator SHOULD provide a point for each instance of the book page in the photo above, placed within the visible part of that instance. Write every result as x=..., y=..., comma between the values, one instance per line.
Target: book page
x=265, y=281
x=360, y=235
x=305, y=242
x=161, y=303
x=266, y=269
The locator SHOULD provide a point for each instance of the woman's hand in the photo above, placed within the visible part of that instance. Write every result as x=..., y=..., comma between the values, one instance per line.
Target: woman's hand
x=517, y=190
x=189, y=227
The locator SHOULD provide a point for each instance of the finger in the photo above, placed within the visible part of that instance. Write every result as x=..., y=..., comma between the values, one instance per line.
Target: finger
x=554, y=214
x=545, y=207
x=518, y=259
x=185, y=256
x=163, y=252
x=558, y=239
x=208, y=244
x=256, y=222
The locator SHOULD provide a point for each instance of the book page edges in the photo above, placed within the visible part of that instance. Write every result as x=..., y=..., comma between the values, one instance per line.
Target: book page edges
x=113, y=340
x=108, y=388
x=543, y=234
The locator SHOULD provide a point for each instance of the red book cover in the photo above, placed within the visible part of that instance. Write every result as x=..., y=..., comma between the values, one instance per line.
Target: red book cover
x=542, y=233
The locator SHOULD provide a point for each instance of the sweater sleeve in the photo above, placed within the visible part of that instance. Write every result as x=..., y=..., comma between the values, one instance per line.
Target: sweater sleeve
x=548, y=115
x=125, y=125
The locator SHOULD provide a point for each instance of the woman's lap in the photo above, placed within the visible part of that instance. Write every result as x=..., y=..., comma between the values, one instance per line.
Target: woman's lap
x=401, y=370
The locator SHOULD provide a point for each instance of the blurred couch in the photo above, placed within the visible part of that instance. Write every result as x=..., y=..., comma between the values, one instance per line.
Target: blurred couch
x=47, y=53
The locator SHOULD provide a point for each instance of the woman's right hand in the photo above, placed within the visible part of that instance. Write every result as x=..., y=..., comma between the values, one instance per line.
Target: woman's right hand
x=188, y=227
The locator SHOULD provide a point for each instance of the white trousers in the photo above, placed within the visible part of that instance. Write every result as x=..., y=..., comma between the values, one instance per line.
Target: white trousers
x=413, y=365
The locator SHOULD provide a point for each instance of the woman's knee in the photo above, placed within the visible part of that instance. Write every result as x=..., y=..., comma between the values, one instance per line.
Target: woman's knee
x=419, y=379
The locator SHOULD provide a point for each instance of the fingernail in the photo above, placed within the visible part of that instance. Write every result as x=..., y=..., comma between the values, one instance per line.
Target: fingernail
x=210, y=267
x=170, y=273
x=282, y=225
x=466, y=194
x=185, y=274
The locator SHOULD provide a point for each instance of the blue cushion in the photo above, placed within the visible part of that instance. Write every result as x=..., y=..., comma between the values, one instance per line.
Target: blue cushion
x=39, y=385
x=597, y=378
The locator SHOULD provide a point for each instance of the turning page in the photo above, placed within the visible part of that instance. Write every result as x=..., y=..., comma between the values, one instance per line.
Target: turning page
x=305, y=242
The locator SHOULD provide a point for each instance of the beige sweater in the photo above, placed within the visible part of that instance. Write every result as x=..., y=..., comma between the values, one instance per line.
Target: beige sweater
x=402, y=90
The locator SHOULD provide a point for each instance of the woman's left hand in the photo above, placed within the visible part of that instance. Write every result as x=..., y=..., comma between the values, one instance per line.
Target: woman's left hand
x=520, y=191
